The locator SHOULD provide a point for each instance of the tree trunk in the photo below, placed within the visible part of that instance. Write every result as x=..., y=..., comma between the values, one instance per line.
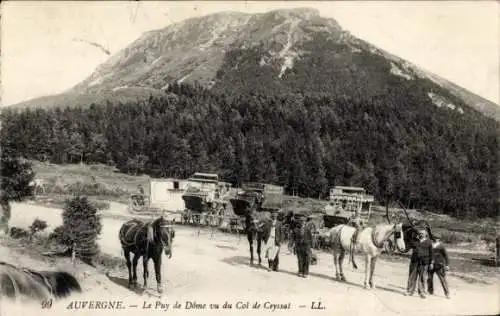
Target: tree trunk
x=4, y=220
x=387, y=208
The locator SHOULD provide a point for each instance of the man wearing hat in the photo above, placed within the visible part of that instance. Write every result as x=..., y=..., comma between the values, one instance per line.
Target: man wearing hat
x=275, y=239
x=303, y=242
x=424, y=257
x=311, y=227
x=440, y=267
x=290, y=222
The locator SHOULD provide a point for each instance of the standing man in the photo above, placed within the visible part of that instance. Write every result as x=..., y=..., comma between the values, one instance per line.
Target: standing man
x=274, y=252
x=440, y=267
x=292, y=223
x=424, y=262
x=310, y=226
x=412, y=273
x=303, y=243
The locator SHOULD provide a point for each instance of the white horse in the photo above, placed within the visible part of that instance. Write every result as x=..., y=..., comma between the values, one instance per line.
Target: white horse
x=369, y=241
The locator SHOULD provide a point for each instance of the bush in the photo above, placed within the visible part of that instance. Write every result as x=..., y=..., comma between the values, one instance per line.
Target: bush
x=80, y=229
x=61, y=236
x=16, y=232
x=37, y=226
x=453, y=237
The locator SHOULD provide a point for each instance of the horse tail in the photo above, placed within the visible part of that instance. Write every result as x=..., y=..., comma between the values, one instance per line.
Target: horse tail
x=351, y=254
x=66, y=284
x=266, y=231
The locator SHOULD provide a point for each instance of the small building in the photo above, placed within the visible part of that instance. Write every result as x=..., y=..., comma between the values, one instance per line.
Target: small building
x=167, y=193
x=351, y=199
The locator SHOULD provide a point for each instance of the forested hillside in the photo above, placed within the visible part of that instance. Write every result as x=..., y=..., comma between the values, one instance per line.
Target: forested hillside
x=399, y=146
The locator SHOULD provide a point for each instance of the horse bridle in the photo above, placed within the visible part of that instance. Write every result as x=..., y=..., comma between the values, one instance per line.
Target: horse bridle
x=169, y=231
x=396, y=234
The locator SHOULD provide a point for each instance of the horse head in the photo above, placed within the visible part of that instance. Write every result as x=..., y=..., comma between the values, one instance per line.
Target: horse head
x=411, y=231
x=164, y=234
x=399, y=239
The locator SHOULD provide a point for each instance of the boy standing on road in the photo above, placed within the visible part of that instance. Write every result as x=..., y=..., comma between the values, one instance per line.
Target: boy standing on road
x=440, y=267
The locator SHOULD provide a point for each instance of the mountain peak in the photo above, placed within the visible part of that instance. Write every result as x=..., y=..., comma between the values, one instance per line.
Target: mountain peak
x=303, y=12
x=288, y=49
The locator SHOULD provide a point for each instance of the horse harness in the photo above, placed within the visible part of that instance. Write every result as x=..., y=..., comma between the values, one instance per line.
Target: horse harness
x=373, y=237
x=397, y=235
x=149, y=234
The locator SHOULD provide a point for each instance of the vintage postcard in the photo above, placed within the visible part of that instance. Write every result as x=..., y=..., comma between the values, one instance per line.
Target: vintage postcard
x=249, y=158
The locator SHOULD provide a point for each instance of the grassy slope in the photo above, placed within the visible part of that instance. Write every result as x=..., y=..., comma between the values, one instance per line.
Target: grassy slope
x=97, y=181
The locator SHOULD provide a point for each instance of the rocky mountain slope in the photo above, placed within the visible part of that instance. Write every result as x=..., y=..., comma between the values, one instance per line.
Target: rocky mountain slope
x=283, y=51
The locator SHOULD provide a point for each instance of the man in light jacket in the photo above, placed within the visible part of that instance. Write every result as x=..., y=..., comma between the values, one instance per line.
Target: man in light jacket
x=275, y=245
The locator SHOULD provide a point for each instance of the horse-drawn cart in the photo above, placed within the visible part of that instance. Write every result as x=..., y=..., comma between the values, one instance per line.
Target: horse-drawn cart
x=204, y=200
x=138, y=202
x=258, y=197
x=254, y=203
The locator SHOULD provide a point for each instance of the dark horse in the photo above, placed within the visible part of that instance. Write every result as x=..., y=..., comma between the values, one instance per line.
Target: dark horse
x=17, y=282
x=257, y=226
x=147, y=240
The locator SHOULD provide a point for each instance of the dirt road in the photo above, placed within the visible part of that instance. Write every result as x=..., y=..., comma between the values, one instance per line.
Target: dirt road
x=216, y=270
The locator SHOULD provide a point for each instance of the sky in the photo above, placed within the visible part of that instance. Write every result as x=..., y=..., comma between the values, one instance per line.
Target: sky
x=41, y=53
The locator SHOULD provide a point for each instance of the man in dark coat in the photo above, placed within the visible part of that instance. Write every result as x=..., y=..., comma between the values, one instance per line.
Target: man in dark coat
x=312, y=228
x=424, y=261
x=440, y=267
x=412, y=243
x=292, y=224
x=303, y=242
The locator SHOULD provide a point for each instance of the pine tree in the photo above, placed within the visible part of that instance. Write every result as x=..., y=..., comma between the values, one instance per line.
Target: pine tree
x=81, y=227
x=16, y=178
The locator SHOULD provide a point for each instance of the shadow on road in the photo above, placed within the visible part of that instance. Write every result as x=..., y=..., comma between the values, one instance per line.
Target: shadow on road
x=226, y=247
x=124, y=283
x=245, y=261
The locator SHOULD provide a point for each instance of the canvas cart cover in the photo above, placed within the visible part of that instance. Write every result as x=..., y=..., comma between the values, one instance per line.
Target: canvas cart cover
x=273, y=197
x=194, y=199
x=243, y=202
x=334, y=217
x=193, y=203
